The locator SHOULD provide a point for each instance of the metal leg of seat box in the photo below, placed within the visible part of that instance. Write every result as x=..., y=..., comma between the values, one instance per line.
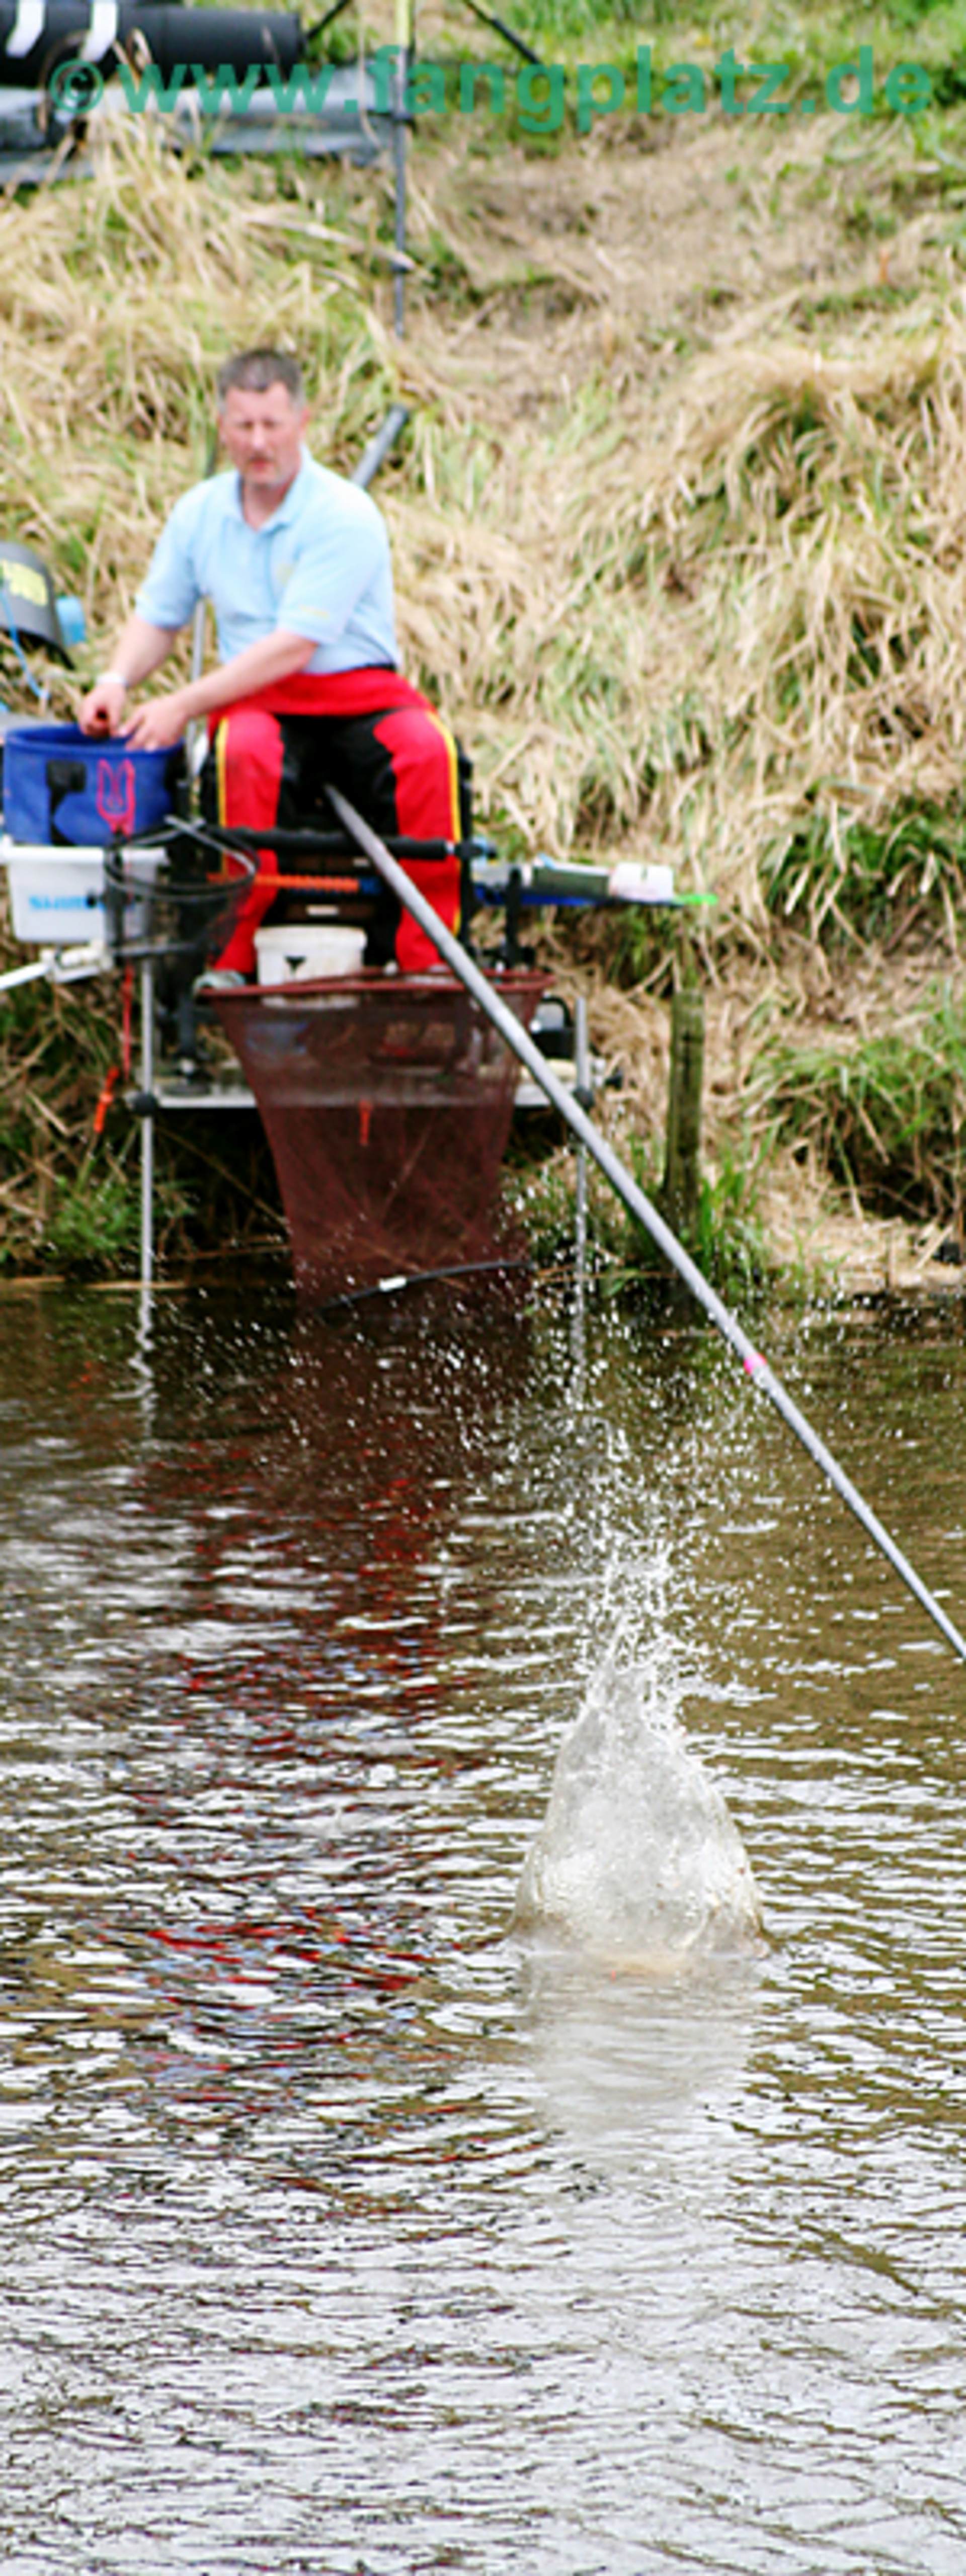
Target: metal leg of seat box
x=147, y=1124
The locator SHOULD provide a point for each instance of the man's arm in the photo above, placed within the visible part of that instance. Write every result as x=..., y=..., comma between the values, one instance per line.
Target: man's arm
x=140, y=649
x=275, y=657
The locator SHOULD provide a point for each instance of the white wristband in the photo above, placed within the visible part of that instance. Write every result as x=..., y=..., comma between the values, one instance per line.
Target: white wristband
x=117, y=676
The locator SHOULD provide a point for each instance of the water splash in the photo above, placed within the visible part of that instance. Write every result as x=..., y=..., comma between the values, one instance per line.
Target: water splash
x=638, y=1861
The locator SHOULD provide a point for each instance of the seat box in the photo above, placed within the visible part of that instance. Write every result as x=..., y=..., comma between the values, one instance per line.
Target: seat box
x=57, y=896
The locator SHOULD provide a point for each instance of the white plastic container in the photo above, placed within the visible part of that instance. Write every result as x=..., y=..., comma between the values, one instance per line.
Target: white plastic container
x=293, y=952
x=57, y=895
x=631, y=883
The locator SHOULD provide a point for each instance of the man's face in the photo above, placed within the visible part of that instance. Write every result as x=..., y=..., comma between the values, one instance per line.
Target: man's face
x=263, y=435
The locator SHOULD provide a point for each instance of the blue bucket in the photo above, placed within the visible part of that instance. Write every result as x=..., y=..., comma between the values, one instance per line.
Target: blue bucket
x=63, y=785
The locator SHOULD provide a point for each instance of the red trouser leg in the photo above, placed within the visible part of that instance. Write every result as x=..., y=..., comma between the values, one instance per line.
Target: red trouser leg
x=247, y=751
x=399, y=765
x=423, y=759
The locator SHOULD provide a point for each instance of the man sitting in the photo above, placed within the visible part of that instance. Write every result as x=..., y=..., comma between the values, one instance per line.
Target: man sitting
x=296, y=563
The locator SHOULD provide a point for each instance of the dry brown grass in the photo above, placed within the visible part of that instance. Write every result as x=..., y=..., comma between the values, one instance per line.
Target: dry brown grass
x=736, y=616
x=698, y=604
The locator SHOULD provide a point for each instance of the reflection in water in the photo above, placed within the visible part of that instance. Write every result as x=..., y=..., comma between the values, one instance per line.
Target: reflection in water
x=342, y=2228
x=627, y=2075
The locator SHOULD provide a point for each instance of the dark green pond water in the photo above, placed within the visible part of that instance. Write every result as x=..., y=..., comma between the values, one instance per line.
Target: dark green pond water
x=343, y=2227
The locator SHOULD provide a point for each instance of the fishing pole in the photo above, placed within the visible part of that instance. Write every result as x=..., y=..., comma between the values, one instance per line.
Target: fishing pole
x=522, y=1045
x=196, y=729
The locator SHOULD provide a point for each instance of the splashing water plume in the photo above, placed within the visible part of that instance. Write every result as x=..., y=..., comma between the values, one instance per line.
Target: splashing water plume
x=638, y=1861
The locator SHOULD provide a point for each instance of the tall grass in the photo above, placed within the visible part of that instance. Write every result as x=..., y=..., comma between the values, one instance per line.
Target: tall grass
x=695, y=591
x=719, y=616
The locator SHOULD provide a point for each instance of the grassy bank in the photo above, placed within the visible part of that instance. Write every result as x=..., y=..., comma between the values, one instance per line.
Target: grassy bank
x=678, y=531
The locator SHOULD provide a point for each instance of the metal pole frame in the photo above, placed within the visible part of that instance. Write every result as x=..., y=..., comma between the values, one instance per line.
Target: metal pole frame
x=147, y=1124
x=583, y=1095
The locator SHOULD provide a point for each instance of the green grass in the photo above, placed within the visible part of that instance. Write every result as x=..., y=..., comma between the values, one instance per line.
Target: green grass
x=810, y=39
x=849, y=880
x=729, y=1242
x=886, y=1116
x=93, y=1224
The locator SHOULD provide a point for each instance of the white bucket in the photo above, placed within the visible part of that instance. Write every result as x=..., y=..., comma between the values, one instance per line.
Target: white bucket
x=294, y=951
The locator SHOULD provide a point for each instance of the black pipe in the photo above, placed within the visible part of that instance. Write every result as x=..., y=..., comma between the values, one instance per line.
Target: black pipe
x=235, y=38
x=379, y=446
x=499, y=24
x=317, y=26
x=307, y=844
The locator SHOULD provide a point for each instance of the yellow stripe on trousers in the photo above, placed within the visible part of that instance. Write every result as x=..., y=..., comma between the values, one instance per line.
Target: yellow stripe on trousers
x=453, y=774
x=221, y=781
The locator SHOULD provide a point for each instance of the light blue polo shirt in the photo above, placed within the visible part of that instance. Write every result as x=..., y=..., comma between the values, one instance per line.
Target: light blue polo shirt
x=319, y=567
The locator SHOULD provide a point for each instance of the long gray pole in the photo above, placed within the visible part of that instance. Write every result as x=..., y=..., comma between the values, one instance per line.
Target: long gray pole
x=522, y=1045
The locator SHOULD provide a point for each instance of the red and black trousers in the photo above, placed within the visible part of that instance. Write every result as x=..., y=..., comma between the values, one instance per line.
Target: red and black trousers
x=368, y=733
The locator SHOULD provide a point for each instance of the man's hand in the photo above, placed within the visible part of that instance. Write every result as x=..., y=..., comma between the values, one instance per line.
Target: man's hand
x=102, y=709
x=140, y=649
x=160, y=723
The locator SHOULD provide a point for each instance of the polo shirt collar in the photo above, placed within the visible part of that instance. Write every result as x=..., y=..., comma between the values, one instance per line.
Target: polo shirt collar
x=287, y=508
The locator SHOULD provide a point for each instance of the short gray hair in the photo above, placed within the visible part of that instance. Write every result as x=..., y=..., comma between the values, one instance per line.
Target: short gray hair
x=254, y=370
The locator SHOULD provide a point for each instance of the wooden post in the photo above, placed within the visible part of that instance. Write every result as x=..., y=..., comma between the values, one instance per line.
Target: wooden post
x=682, y=1174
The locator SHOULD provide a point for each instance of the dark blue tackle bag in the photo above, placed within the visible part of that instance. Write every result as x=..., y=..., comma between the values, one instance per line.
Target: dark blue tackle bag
x=62, y=785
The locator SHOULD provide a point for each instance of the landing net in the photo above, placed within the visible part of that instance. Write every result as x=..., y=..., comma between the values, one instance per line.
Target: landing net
x=387, y=1103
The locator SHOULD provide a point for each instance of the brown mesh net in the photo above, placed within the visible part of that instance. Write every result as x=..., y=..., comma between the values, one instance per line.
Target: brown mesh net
x=387, y=1103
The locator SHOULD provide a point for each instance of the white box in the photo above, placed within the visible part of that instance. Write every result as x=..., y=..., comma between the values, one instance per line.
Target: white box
x=57, y=895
